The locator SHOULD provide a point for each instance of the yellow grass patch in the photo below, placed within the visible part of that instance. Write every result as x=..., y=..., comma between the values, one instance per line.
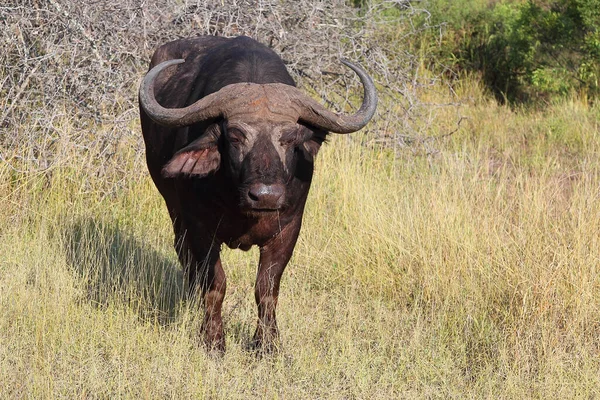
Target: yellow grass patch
x=471, y=272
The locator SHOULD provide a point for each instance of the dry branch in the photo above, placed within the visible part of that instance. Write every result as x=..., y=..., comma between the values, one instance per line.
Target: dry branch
x=81, y=62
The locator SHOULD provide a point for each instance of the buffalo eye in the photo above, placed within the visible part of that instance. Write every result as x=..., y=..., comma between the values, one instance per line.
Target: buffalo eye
x=292, y=137
x=235, y=136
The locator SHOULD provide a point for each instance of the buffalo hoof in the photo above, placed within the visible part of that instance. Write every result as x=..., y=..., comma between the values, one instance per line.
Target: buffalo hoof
x=214, y=338
x=265, y=342
x=215, y=346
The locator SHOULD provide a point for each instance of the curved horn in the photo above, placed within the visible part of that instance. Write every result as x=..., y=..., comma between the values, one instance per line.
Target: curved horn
x=315, y=114
x=222, y=102
x=208, y=107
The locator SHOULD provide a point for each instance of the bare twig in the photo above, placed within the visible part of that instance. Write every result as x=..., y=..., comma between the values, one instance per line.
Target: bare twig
x=89, y=57
x=15, y=99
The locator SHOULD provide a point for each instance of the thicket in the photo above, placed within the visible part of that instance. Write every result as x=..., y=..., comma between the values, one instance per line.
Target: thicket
x=524, y=51
x=66, y=64
x=69, y=71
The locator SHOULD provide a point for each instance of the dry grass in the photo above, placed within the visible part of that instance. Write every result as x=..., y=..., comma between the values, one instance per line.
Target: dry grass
x=429, y=266
x=471, y=272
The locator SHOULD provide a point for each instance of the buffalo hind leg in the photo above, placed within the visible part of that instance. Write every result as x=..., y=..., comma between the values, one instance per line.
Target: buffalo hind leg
x=205, y=273
x=274, y=257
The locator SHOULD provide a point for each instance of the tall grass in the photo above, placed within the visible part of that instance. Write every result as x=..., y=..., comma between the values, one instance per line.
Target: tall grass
x=470, y=271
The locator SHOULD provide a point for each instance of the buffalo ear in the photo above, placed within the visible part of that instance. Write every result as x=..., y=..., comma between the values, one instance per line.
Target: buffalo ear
x=198, y=163
x=198, y=159
x=312, y=146
x=311, y=149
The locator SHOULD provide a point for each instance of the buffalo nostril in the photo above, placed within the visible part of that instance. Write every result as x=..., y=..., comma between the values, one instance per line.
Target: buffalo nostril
x=254, y=196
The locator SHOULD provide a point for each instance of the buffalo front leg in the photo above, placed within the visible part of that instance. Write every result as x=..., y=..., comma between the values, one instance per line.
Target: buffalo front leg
x=205, y=275
x=274, y=257
x=213, y=289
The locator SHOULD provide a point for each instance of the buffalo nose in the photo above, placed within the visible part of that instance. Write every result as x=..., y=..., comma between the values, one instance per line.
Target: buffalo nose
x=263, y=196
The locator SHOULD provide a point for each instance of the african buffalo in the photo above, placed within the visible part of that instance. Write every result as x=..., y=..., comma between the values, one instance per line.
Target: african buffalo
x=230, y=145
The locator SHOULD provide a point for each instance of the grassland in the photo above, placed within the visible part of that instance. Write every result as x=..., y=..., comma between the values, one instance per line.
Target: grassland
x=468, y=272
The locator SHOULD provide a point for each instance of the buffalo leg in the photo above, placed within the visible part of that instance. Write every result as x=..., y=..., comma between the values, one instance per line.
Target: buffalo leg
x=213, y=292
x=205, y=274
x=274, y=257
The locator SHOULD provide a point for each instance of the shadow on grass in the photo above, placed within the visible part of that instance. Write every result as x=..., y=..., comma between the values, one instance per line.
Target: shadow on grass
x=116, y=267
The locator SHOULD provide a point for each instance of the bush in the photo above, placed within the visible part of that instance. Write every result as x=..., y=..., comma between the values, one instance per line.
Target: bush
x=524, y=51
x=74, y=67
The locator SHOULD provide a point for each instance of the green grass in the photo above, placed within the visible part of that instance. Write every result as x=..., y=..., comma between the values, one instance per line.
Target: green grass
x=472, y=272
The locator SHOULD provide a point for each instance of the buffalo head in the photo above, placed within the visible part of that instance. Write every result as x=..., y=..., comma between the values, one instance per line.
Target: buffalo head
x=263, y=136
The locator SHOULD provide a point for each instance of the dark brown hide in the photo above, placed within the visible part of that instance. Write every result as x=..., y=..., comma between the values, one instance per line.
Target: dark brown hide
x=230, y=144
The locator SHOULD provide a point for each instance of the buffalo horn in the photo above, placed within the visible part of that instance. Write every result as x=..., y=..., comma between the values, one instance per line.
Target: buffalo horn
x=203, y=109
x=216, y=104
x=315, y=114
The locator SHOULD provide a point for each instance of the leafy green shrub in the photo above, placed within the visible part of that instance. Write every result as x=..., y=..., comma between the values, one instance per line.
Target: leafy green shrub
x=524, y=50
